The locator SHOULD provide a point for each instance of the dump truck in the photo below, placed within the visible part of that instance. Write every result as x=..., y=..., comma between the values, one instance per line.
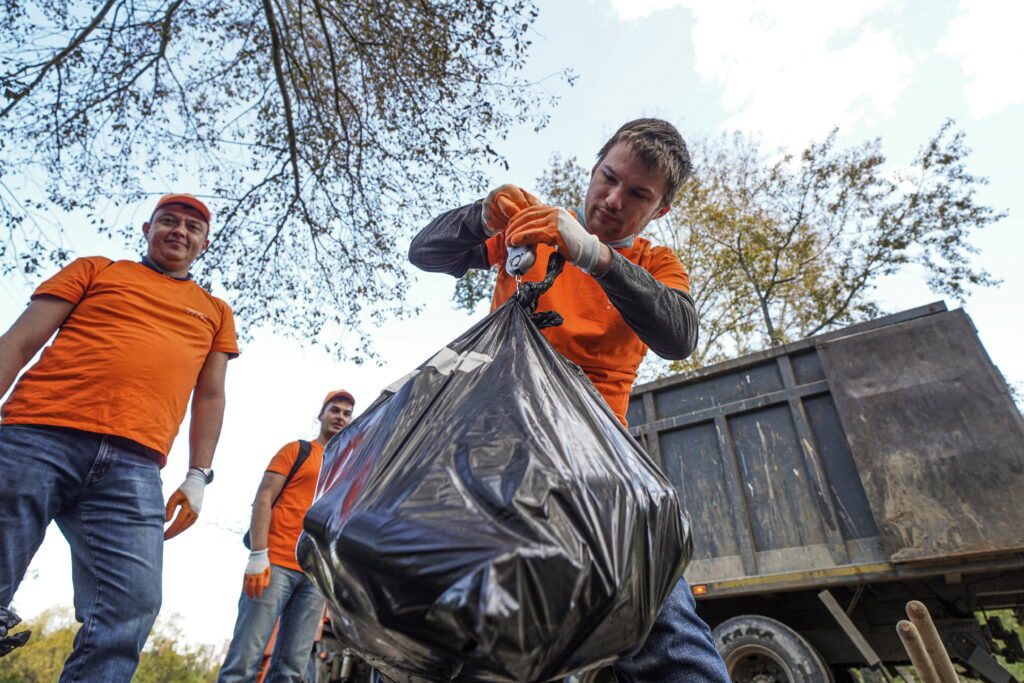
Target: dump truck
x=831, y=480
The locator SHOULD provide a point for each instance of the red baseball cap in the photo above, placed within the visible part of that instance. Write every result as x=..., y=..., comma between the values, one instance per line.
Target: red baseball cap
x=187, y=200
x=338, y=394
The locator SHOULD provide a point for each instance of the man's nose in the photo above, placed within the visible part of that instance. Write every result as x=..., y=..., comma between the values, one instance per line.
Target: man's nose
x=614, y=199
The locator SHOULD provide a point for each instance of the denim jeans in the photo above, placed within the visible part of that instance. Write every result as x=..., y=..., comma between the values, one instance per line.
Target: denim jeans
x=299, y=604
x=679, y=648
x=107, y=500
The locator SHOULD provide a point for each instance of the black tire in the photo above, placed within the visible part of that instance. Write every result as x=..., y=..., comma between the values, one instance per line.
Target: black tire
x=757, y=649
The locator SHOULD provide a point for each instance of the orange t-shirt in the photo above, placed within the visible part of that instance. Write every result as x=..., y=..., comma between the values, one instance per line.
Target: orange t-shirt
x=594, y=335
x=297, y=496
x=126, y=359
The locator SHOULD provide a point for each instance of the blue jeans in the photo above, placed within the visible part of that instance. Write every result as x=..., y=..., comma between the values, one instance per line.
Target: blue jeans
x=108, y=502
x=297, y=601
x=679, y=648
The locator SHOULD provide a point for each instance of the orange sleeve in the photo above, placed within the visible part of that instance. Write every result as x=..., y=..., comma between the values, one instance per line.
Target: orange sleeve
x=225, y=339
x=667, y=269
x=496, y=250
x=73, y=280
x=282, y=462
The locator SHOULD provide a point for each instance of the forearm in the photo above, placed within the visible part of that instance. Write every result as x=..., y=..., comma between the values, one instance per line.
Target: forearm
x=663, y=317
x=204, y=431
x=34, y=326
x=452, y=243
x=12, y=360
x=259, y=525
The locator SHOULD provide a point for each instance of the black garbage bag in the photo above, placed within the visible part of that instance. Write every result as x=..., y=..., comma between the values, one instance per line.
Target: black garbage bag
x=490, y=519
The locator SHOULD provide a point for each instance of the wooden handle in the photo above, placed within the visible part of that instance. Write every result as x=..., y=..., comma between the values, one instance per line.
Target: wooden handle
x=922, y=620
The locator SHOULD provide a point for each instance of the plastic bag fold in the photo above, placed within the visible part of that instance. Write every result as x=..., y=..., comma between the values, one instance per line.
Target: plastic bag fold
x=489, y=519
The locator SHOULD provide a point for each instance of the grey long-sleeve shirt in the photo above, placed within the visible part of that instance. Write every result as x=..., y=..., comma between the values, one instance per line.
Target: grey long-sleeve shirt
x=664, y=318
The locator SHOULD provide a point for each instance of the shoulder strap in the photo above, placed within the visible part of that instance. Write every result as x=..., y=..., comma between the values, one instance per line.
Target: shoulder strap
x=304, y=448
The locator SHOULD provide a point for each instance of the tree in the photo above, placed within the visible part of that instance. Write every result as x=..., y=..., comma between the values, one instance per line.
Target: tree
x=42, y=658
x=787, y=247
x=323, y=131
x=800, y=243
x=166, y=658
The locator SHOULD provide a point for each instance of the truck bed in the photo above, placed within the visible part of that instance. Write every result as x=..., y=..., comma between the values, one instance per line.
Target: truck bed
x=885, y=450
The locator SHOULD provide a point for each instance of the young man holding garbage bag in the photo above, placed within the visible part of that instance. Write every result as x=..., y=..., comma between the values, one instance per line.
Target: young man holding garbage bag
x=620, y=296
x=274, y=586
x=88, y=427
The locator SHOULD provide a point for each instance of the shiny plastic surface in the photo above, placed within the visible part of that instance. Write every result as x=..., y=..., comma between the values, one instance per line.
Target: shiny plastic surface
x=491, y=520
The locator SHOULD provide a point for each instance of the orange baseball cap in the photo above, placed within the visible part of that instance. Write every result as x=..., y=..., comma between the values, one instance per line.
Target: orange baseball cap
x=338, y=394
x=187, y=200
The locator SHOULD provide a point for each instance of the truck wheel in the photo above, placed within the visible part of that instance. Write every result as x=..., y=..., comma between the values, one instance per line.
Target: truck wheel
x=757, y=649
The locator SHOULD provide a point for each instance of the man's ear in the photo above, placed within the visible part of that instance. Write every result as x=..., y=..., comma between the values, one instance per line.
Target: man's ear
x=145, y=229
x=662, y=211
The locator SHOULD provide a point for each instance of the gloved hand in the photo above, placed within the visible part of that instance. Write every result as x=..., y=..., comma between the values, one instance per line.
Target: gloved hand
x=502, y=203
x=8, y=620
x=189, y=501
x=257, y=574
x=557, y=228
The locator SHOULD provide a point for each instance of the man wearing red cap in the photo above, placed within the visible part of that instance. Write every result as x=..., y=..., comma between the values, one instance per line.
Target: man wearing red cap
x=86, y=429
x=274, y=586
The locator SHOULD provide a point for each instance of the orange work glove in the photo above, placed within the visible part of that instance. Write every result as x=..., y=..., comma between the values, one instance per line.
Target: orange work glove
x=257, y=574
x=189, y=501
x=557, y=228
x=502, y=203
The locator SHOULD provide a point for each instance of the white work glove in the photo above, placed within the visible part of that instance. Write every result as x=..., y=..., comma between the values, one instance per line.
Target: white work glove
x=188, y=499
x=257, y=573
x=557, y=228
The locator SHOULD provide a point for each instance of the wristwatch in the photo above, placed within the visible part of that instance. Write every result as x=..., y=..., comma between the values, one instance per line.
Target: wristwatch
x=207, y=473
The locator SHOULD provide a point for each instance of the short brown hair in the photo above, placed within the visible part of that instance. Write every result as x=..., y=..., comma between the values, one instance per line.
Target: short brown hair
x=660, y=146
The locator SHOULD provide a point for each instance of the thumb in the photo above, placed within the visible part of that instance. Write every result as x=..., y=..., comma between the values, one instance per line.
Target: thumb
x=176, y=499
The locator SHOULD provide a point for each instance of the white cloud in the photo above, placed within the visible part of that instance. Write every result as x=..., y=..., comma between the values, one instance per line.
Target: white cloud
x=798, y=68
x=795, y=69
x=985, y=37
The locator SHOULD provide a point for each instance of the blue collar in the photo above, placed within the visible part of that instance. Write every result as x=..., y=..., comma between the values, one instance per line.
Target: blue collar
x=146, y=261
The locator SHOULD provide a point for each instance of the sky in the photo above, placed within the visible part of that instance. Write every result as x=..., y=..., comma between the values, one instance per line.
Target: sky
x=784, y=72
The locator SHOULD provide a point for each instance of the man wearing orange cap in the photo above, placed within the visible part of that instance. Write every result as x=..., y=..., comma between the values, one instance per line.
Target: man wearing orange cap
x=274, y=586
x=87, y=429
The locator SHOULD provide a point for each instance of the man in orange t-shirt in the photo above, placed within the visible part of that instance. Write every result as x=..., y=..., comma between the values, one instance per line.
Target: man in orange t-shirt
x=86, y=429
x=275, y=586
x=619, y=296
